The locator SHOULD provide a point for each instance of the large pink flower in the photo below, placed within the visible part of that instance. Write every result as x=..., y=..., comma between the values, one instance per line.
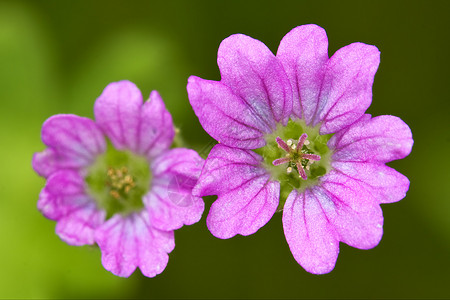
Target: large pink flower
x=127, y=195
x=293, y=134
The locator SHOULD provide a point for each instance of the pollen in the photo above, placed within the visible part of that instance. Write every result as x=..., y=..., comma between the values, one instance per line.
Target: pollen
x=120, y=182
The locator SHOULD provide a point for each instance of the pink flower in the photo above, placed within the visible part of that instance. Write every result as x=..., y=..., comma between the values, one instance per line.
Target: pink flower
x=294, y=135
x=115, y=182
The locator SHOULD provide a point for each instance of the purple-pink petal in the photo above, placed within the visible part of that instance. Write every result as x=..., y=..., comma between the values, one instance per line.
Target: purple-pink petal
x=312, y=239
x=346, y=90
x=226, y=168
x=145, y=129
x=386, y=184
x=304, y=54
x=338, y=209
x=247, y=198
x=257, y=77
x=78, y=228
x=130, y=241
x=73, y=142
x=352, y=209
x=225, y=116
x=64, y=199
x=117, y=112
x=170, y=202
x=156, y=129
x=380, y=139
x=49, y=161
x=245, y=209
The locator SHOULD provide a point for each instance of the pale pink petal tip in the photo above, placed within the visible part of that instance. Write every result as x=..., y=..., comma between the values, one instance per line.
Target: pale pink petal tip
x=171, y=202
x=73, y=142
x=247, y=198
x=144, y=128
x=64, y=200
x=130, y=242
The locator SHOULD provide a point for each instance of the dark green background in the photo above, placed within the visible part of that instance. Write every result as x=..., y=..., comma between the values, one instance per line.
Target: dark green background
x=57, y=56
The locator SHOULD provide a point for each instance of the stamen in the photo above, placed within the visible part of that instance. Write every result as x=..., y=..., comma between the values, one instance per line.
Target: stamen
x=306, y=143
x=289, y=142
x=288, y=170
x=120, y=182
x=115, y=194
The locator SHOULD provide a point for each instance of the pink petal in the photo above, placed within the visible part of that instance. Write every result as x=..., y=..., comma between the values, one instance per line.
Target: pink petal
x=78, y=228
x=304, y=54
x=346, y=90
x=64, y=199
x=64, y=191
x=49, y=161
x=247, y=199
x=255, y=75
x=354, y=212
x=117, y=112
x=226, y=169
x=146, y=129
x=338, y=209
x=130, y=242
x=156, y=130
x=225, y=116
x=245, y=209
x=385, y=184
x=170, y=201
x=311, y=237
x=380, y=139
x=73, y=142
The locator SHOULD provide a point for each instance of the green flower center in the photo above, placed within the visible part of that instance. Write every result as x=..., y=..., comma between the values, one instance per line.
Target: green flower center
x=118, y=180
x=296, y=155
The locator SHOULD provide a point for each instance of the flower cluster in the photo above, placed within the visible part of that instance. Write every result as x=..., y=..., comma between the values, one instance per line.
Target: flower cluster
x=293, y=135
x=115, y=182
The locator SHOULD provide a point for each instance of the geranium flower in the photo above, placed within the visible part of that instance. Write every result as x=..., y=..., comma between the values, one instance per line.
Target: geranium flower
x=115, y=182
x=293, y=135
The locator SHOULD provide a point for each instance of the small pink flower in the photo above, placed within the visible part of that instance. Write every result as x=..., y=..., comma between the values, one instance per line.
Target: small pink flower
x=294, y=135
x=124, y=194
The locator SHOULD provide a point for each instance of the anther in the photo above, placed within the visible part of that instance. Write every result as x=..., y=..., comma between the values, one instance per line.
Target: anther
x=288, y=170
x=115, y=194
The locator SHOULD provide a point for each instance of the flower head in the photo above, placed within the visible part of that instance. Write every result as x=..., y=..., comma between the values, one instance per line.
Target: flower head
x=115, y=182
x=294, y=135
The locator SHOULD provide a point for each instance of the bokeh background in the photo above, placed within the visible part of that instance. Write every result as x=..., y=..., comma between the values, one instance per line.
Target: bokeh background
x=57, y=56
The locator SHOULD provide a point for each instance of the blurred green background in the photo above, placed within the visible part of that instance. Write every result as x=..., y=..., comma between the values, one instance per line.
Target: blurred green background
x=57, y=56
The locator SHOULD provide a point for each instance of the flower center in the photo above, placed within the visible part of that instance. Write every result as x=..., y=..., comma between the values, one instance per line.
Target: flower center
x=118, y=180
x=296, y=155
